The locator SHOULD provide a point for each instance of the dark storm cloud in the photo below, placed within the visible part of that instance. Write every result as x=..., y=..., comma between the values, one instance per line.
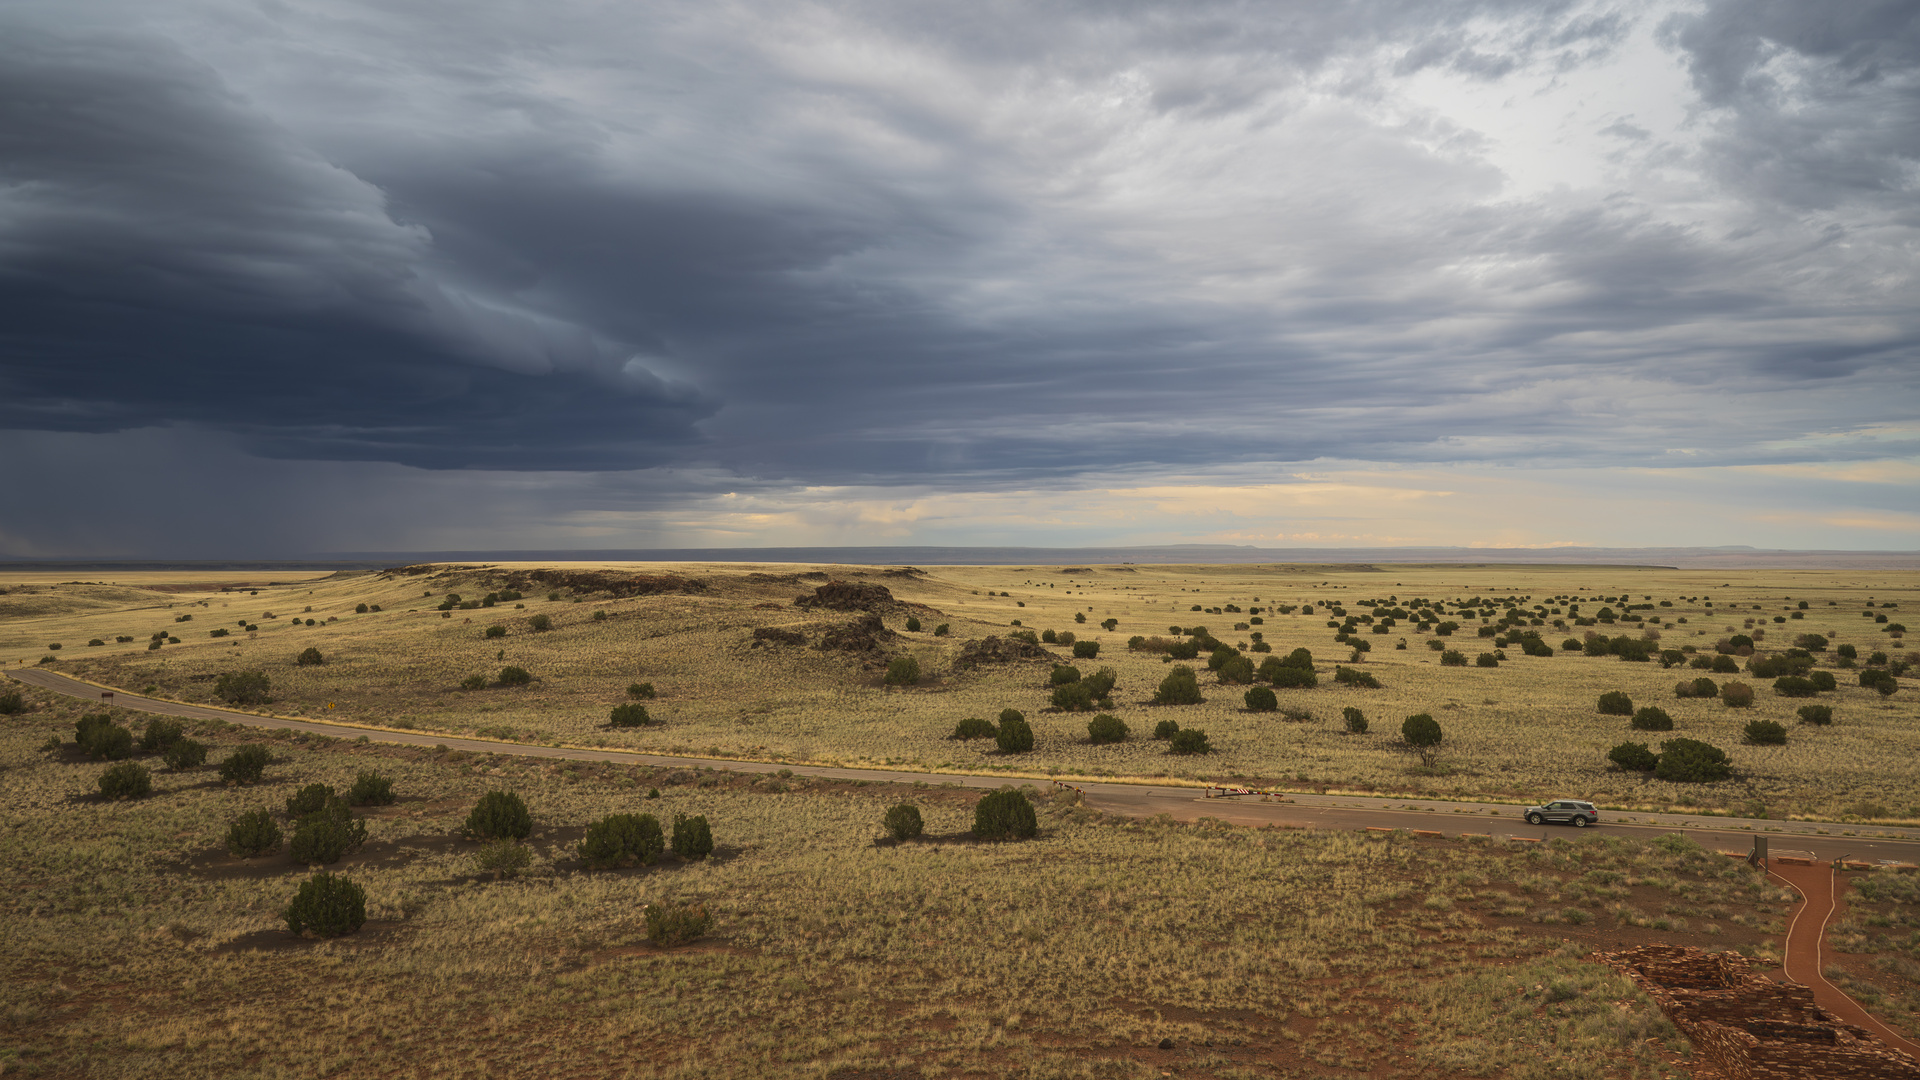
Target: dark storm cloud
x=958, y=244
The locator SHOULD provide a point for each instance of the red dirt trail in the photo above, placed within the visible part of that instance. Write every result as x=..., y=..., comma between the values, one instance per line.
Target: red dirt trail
x=1806, y=946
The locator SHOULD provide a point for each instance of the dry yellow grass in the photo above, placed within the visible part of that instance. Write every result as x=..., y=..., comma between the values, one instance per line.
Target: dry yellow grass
x=136, y=948
x=1525, y=730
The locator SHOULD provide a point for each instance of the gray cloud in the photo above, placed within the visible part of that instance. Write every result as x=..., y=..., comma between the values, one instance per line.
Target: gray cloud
x=966, y=247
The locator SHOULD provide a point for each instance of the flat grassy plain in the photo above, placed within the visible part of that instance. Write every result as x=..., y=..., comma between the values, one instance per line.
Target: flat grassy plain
x=136, y=946
x=1526, y=730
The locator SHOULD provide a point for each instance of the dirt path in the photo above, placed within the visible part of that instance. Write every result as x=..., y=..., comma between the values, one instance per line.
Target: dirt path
x=1819, y=888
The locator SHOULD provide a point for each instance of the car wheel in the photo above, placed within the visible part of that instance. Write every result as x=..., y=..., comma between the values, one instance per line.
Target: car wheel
x=1580, y=822
x=1535, y=819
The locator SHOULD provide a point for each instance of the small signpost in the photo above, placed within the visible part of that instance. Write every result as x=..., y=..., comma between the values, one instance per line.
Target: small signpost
x=1759, y=856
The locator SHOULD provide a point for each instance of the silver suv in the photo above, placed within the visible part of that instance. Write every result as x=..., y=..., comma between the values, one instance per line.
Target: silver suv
x=1581, y=814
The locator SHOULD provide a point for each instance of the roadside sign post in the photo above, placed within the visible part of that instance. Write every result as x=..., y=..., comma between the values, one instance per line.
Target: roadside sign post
x=1759, y=856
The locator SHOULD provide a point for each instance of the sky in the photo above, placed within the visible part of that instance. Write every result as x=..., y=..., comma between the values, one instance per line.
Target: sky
x=302, y=276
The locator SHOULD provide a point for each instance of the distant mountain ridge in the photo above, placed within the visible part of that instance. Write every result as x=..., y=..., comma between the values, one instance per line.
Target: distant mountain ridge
x=1729, y=557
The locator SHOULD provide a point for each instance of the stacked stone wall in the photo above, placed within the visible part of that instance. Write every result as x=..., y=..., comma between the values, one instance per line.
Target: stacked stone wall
x=1750, y=1027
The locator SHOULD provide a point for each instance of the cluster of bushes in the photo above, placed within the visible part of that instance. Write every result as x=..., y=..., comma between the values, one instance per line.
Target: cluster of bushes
x=509, y=676
x=1013, y=735
x=1684, y=761
x=1639, y=650
x=103, y=740
x=1883, y=682
x=324, y=828
x=1355, y=677
x=1071, y=693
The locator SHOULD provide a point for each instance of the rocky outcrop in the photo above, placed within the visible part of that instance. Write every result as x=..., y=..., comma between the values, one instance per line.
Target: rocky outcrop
x=999, y=650
x=849, y=596
x=774, y=635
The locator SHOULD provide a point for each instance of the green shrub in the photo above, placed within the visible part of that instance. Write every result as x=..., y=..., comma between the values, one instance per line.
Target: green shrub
x=1237, y=671
x=1049, y=636
x=504, y=858
x=500, y=815
x=1004, y=815
x=1486, y=659
x=243, y=688
x=1724, y=665
x=12, y=703
x=1014, y=736
x=359, y=609
x=632, y=714
x=1356, y=720
x=1166, y=729
x=1652, y=718
x=496, y=631
x=1285, y=676
x=474, y=682
x=1086, y=650
x=973, y=728
x=1188, y=741
x=185, y=754
x=1355, y=677
x=676, y=924
x=903, y=822
x=913, y=625
x=127, y=780
x=1816, y=714
x=692, y=837
x=942, y=630
x=161, y=734
x=641, y=691
x=1106, y=728
x=1736, y=695
x=329, y=906
x=1689, y=761
x=903, y=671
x=1180, y=687
x=1823, y=681
x=622, y=840
x=1063, y=674
x=1073, y=697
x=514, y=676
x=1453, y=658
x=1421, y=730
x=553, y=596
x=540, y=624
x=1079, y=616
x=1261, y=699
x=1633, y=756
x=1765, y=733
x=245, y=765
x=1794, y=686
x=599, y=616
x=309, y=800
x=1101, y=682
x=370, y=789
x=1615, y=703
x=310, y=657
x=327, y=834
x=107, y=741
x=252, y=833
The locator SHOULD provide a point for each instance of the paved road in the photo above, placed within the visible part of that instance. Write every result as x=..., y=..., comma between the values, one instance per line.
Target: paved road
x=1183, y=803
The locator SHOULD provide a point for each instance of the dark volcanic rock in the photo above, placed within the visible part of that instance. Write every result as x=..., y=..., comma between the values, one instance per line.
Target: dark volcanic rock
x=998, y=650
x=866, y=635
x=615, y=583
x=774, y=635
x=848, y=596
